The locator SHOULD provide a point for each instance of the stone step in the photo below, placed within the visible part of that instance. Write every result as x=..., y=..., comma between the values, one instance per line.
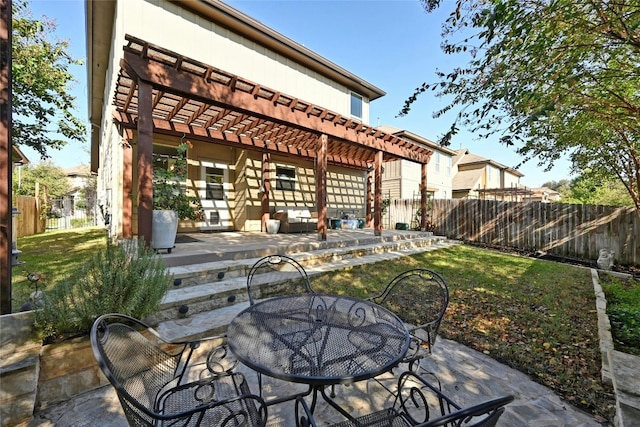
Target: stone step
x=227, y=279
x=260, y=250
x=214, y=271
x=19, y=374
x=218, y=303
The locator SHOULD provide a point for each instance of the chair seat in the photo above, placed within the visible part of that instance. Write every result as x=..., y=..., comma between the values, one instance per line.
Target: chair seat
x=385, y=418
x=224, y=388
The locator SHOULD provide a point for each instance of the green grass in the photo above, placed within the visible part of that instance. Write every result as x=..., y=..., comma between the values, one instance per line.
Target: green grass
x=536, y=316
x=54, y=255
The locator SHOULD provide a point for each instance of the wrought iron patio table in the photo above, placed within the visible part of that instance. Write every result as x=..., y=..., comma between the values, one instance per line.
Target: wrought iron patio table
x=318, y=339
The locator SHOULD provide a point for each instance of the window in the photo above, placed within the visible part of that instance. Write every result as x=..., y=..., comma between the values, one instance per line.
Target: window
x=214, y=181
x=437, y=161
x=356, y=105
x=448, y=162
x=164, y=157
x=285, y=178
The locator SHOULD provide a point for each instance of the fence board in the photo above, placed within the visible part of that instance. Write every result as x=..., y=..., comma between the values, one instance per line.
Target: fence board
x=577, y=231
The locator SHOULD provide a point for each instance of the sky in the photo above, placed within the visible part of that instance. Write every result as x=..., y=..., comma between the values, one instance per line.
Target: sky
x=392, y=44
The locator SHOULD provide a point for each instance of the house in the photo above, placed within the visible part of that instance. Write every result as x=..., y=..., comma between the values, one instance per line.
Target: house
x=481, y=178
x=269, y=122
x=401, y=178
x=81, y=190
x=544, y=195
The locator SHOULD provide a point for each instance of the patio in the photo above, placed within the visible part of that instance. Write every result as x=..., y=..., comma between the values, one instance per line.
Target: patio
x=468, y=375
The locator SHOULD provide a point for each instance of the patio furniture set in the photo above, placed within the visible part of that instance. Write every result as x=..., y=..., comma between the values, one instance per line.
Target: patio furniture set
x=303, y=337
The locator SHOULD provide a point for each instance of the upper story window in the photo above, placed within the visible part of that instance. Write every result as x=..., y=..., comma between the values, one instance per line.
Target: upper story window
x=448, y=163
x=285, y=178
x=437, y=161
x=356, y=105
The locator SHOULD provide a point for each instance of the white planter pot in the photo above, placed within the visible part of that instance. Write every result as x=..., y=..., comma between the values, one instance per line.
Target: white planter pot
x=273, y=225
x=163, y=229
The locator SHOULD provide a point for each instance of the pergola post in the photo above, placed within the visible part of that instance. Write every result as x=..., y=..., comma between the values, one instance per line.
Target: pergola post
x=145, y=161
x=265, y=188
x=127, y=188
x=321, y=186
x=423, y=198
x=377, y=199
x=369, y=198
x=6, y=155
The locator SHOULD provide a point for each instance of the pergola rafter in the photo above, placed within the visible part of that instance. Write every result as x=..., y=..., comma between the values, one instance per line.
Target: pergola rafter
x=189, y=97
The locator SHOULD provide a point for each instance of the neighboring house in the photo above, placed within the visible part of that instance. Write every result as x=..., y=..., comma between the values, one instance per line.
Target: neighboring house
x=544, y=195
x=481, y=178
x=81, y=187
x=270, y=122
x=401, y=178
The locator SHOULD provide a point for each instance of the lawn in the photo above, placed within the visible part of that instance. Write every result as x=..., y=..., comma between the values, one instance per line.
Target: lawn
x=534, y=315
x=54, y=255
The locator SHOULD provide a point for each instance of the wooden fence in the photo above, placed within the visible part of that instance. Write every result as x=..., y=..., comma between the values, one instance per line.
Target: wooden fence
x=567, y=230
x=29, y=221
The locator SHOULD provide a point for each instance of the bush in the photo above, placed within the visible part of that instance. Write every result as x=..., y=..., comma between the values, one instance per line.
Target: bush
x=128, y=278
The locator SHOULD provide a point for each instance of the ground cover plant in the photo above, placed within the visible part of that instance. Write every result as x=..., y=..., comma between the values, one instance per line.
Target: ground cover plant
x=623, y=309
x=534, y=315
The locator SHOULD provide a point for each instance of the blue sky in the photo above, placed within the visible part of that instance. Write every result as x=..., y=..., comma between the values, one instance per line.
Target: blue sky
x=393, y=44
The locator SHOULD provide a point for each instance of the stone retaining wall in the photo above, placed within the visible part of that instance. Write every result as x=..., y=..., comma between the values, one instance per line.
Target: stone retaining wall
x=619, y=369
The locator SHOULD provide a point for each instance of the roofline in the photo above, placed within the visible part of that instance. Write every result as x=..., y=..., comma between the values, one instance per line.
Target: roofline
x=421, y=139
x=254, y=30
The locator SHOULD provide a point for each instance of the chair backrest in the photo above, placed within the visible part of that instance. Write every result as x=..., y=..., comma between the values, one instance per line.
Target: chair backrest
x=419, y=297
x=276, y=275
x=128, y=354
x=424, y=404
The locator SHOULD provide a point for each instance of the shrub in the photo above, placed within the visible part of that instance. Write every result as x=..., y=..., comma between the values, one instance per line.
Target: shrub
x=126, y=278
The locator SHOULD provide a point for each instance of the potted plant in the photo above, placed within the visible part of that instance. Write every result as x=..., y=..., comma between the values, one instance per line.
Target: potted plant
x=171, y=201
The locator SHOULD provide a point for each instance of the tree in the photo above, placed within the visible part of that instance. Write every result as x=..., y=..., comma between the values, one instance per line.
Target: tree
x=587, y=189
x=49, y=176
x=42, y=105
x=552, y=77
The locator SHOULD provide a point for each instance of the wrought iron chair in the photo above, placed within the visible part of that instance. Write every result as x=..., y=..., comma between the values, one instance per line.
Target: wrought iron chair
x=419, y=297
x=418, y=403
x=150, y=376
x=276, y=274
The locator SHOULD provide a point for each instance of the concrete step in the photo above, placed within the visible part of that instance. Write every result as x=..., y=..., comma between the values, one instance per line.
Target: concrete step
x=202, y=287
x=217, y=303
x=215, y=271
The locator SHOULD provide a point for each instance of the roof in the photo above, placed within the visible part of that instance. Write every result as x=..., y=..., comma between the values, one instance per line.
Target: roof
x=18, y=157
x=402, y=133
x=78, y=170
x=465, y=157
x=466, y=179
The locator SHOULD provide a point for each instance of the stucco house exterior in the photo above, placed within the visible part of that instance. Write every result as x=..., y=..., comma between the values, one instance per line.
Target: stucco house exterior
x=269, y=122
x=480, y=178
x=401, y=178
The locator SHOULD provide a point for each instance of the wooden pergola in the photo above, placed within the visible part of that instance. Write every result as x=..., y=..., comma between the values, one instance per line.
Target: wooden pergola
x=160, y=91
